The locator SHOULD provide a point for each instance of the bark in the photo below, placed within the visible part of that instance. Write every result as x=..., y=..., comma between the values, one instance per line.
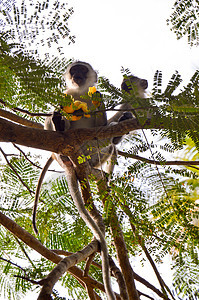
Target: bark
x=13, y=117
x=61, y=142
x=32, y=242
x=63, y=266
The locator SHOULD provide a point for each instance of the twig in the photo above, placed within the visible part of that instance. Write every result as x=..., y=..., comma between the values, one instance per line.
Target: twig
x=25, y=111
x=24, y=251
x=32, y=163
x=16, y=173
x=10, y=262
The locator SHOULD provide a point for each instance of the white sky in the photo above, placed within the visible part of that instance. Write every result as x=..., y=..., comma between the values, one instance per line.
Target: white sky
x=129, y=33
x=133, y=34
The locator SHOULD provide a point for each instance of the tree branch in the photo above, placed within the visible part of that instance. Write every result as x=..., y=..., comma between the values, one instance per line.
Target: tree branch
x=118, y=238
x=120, y=279
x=32, y=242
x=62, y=142
x=63, y=266
x=13, y=117
x=161, y=163
x=16, y=173
x=25, y=111
x=31, y=162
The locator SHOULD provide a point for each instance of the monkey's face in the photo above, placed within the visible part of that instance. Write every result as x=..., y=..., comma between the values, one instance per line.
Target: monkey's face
x=79, y=77
x=78, y=74
x=133, y=81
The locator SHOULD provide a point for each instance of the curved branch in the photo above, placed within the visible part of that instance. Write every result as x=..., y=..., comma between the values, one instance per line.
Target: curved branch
x=63, y=266
x=31, y=162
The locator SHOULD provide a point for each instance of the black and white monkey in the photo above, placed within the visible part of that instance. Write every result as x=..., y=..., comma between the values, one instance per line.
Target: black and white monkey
x=79, y=77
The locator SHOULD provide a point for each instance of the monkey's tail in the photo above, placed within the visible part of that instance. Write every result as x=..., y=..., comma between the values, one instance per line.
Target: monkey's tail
x=77, y=198
x=39, y=184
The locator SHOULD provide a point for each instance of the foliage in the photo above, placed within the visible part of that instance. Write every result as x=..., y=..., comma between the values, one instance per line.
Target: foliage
x=184, y=20
x=155, y=204
x=37, y=25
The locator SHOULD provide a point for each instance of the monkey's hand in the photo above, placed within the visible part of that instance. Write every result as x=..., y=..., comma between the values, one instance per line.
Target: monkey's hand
x=96, y=96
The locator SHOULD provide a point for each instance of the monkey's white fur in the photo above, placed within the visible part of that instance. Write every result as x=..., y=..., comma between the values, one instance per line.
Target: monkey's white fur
x=73, y=88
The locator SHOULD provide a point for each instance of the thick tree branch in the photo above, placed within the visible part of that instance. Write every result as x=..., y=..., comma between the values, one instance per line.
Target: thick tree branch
x=62, y=142
x=120, y=279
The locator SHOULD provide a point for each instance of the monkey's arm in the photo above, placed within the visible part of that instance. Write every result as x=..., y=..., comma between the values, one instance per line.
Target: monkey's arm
x=124, y=107
x=39, y=184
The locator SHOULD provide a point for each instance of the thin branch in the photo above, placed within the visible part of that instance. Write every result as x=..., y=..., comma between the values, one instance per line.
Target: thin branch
x=31, y=162
x=145, y=295
x=39, y=282
x=24, y=251
x=161, y=281
x=161, y=163
x=148, y=285
x=141, y=243
x=16, y=173
x=25, y=111
x=88, y=264
x=10, y=262
x=13, y=117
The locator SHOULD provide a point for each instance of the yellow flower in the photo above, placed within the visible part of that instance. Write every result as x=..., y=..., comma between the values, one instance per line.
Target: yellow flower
x=92, y=90
x=68, y=109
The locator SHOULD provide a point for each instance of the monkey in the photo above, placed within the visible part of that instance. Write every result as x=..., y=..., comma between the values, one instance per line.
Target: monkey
x=129, y=83
x=79, y=77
